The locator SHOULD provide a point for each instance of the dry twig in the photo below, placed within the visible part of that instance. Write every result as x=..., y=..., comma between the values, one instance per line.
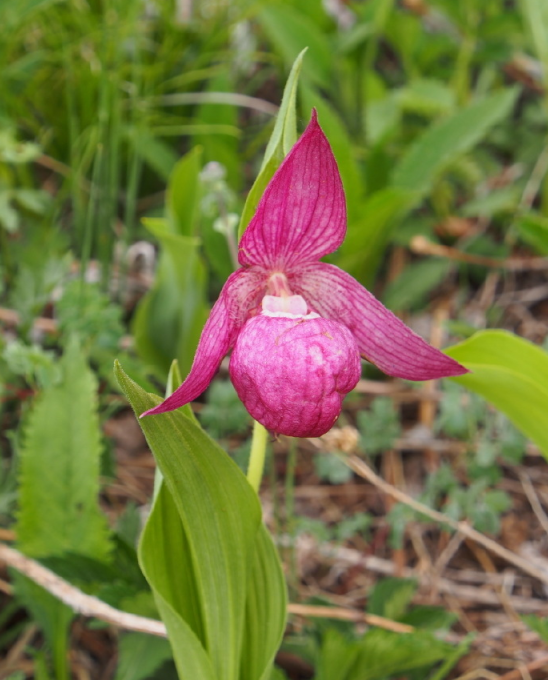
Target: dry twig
x=361, y=469
x=534, y=500
x=422, y=246
x=92, y=606
x=76, y=599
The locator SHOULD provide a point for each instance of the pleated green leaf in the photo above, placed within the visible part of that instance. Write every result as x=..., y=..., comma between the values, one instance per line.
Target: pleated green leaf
x=213, y=569
x=512, y=374
x=164, y=555
x=266, y=607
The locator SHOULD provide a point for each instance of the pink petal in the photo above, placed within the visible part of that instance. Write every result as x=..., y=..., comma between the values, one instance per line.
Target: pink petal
x=382, y=338
x=302, y=214
x=292, y=373
x=242, y=292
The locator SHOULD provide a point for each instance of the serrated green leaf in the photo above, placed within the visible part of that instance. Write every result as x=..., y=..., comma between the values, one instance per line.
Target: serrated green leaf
x=60, y=459
x=447, y=139
x=282, y=139
x=203, y=553
x=391, y=597
x=383, y=653
x=336, y=656
x=512, y=374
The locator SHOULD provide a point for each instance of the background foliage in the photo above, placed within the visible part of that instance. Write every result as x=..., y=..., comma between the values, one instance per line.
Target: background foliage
x=134, y=147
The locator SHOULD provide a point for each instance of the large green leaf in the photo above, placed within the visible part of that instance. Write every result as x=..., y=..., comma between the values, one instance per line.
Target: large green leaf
x=214, y=572
x=282, y=139
x=512, y=374
x=265, y=610
x=164, y=556
x=447, y=139
x=170, y=318
x=60, y=459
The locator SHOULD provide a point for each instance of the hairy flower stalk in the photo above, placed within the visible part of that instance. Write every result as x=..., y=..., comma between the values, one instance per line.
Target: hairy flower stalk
x=297, y=326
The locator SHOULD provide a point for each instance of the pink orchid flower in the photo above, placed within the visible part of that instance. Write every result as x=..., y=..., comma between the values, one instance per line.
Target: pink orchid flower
x=297, y=326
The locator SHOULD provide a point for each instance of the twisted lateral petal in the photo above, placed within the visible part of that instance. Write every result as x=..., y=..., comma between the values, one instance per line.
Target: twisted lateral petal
x=302, y=214
x=382, y=338
x=242, y=291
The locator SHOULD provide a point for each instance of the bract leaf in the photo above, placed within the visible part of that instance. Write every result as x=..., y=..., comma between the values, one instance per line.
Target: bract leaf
x=512, y=374
x=282, y=139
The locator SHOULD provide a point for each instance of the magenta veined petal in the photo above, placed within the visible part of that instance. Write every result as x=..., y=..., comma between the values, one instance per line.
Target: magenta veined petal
x=242, y=292
x=302, y=214
x=382, y=338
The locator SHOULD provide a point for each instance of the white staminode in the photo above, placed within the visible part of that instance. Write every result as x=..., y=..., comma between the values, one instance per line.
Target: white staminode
x=287, y=306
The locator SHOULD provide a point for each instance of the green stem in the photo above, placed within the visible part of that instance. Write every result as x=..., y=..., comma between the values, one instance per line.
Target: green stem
x=257, y=456
x=290, y=470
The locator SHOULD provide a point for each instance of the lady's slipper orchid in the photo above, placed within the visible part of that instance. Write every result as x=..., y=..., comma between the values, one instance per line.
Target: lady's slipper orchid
x=297, y=326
